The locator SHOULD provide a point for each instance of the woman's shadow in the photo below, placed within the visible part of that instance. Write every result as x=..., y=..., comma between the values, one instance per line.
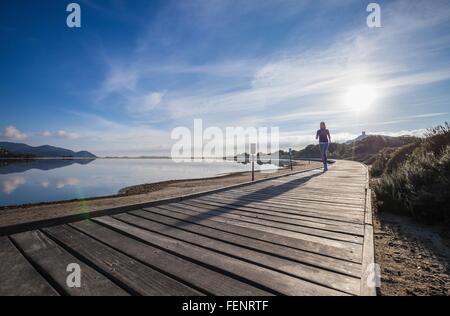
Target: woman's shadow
x=260, y=195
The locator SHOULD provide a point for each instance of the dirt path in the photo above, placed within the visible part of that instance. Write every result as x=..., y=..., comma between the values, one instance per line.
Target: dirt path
x=414, y=258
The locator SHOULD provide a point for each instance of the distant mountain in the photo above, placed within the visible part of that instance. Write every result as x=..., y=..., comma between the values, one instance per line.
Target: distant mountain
x=43, y=151
x=364, y=150
x=8, y=154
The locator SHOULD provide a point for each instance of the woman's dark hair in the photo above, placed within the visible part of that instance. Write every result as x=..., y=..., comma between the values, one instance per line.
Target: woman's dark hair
x=322, y=125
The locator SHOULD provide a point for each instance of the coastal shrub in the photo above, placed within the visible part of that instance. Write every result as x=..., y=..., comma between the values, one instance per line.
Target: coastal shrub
x=419, y=187
x=379, y=161
x=378, y=166
x=400, y=156
x=437, y=138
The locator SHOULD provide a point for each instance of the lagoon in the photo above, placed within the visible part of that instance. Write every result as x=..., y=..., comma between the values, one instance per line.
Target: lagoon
x=51, y=180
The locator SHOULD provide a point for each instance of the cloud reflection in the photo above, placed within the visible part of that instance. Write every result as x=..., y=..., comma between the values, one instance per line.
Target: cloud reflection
x=45, y=184
x=12, y=183
x=67, y=182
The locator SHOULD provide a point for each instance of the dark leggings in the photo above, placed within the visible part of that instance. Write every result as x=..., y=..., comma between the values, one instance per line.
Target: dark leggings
x=323, y=151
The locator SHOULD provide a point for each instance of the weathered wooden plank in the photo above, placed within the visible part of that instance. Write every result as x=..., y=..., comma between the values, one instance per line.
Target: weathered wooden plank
x=274, y=211
x=294, y=195
x=309, y=273
x=217, y=212
x=369, y=269
x=54, y=260
x=356, y=195
x=324, y=181
x=335, y=176
x=17, y=275
x=353, y=250
x=313, y=186
x=289, y=185
x=316, y=204
x=334, y=226
x=320, y=261
x=129, y=273
x=303, y=209
x=277, y=282
x=333, y=199
x=368, y=284
x=329, y=225
x=269, y=211
x=346, y=183
x=368, y=218
x=353, y=255
x=207, y=280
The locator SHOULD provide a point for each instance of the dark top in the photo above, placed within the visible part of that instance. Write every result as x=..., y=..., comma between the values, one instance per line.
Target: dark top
x=323, y=135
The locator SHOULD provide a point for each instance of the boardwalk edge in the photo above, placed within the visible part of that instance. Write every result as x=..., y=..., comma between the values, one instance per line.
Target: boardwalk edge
x=368, y=285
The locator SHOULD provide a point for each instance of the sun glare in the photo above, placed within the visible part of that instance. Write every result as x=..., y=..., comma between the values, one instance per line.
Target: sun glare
x=360, y=97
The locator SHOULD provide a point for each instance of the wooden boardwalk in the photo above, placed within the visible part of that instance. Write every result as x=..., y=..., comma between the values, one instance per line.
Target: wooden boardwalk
x=303, y=234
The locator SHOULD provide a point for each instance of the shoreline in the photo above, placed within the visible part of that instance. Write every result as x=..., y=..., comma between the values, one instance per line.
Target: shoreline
x=141, y=193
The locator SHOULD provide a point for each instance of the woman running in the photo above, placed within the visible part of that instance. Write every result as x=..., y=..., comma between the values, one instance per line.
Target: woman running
x=324, y=139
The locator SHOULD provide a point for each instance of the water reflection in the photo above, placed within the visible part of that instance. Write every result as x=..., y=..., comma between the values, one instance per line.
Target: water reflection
x=36, y=181
x=67, y=182
x=8, y=166
x=12, y=183
x=9, y=185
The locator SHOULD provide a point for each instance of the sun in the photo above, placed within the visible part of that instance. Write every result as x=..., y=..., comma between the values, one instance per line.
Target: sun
x=360, y=97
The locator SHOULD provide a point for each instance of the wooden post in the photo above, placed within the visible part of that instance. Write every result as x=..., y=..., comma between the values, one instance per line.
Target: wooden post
x=253, y=153
x=253, y=170
x=290, y=158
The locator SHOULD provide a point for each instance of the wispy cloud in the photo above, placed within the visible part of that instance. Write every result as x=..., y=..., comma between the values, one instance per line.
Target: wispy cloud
x=299, y=79
x=166, y=81
x=59, y=134
x=145, y=103
x=418, y=116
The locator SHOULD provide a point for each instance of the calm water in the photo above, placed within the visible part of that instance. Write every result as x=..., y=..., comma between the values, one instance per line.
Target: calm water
x=55, y=180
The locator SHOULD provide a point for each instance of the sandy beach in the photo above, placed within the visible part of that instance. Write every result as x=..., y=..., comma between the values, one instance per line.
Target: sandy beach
x=133, y=195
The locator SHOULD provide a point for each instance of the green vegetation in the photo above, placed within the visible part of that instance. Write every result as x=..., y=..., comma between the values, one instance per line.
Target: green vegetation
x=415, y=179
x=388, y=159
x=9, y=154
x=365, y=150
x=8, y=157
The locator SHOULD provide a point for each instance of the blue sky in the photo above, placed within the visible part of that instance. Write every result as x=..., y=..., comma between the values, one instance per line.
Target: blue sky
x=137, y=69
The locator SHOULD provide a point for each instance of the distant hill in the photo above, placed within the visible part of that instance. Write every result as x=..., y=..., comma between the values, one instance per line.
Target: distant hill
x=19, y=149
x=363, y=150
x=360, y=137
x=8, y=154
